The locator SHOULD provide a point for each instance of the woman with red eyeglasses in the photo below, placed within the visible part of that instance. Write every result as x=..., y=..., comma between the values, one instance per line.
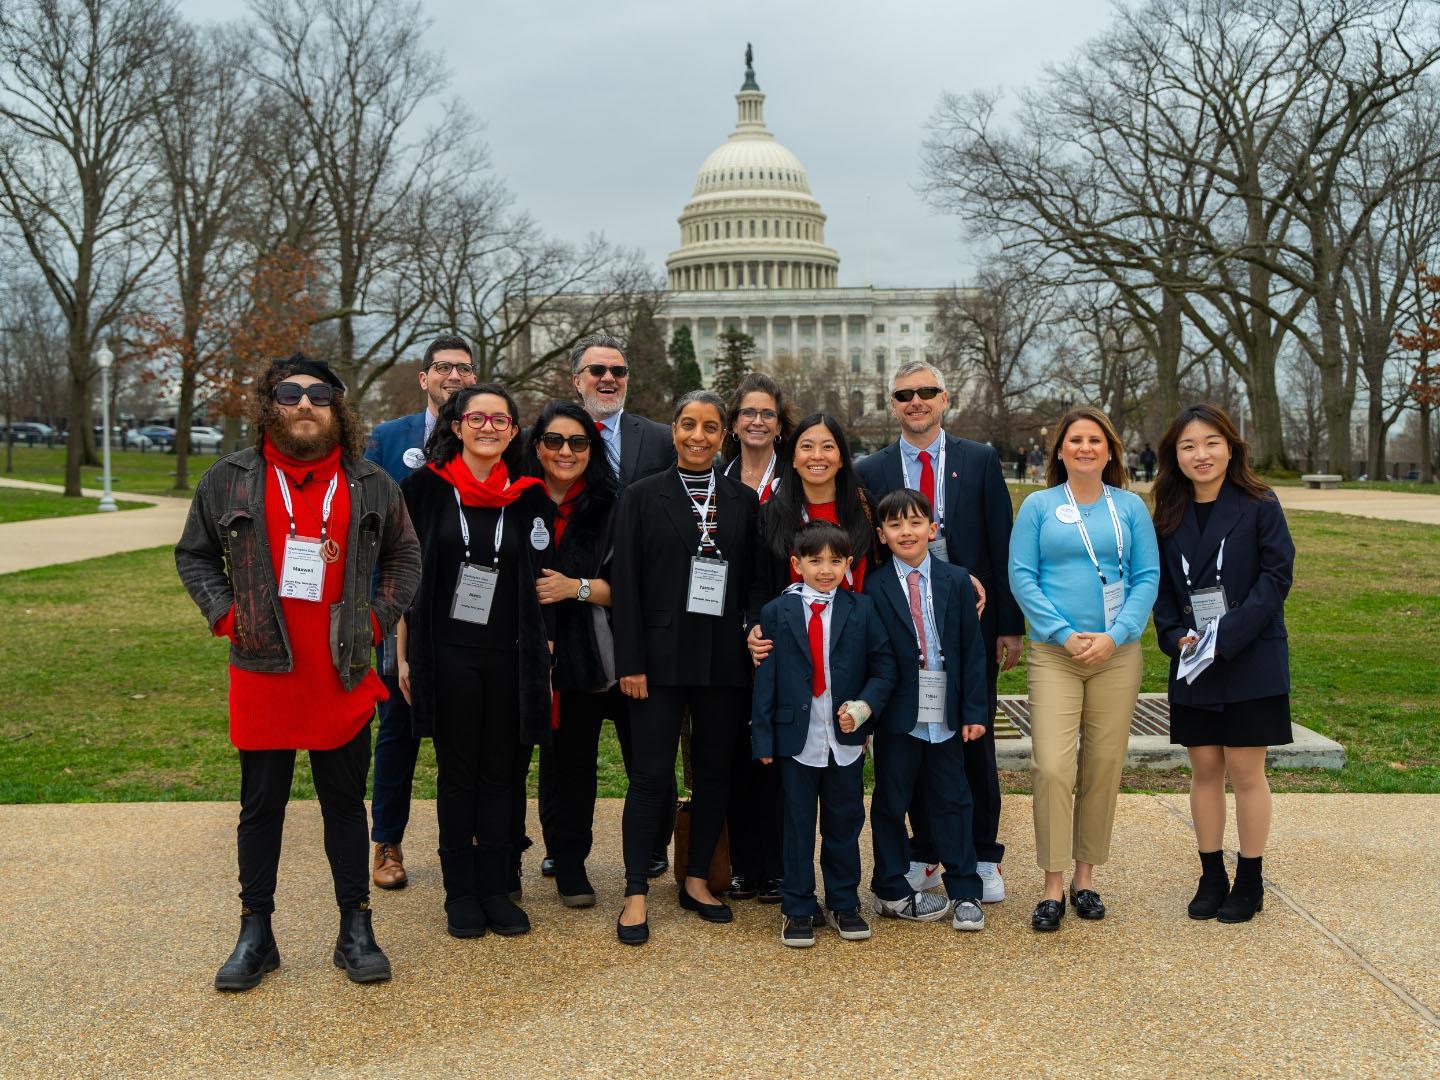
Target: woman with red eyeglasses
x=474, y=649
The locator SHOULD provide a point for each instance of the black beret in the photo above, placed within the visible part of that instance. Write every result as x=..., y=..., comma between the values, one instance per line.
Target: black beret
x=300, y=364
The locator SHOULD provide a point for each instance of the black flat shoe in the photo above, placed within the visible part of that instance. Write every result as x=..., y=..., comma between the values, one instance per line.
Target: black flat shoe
x=658, y=866
x=1087, y=903
x=638, y=934
x=742, y=888
x=1048, y=914
x=715, y=913
x=769, y=892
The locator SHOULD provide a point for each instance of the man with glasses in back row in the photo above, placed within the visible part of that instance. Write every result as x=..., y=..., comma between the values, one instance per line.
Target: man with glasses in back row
x=398, y=447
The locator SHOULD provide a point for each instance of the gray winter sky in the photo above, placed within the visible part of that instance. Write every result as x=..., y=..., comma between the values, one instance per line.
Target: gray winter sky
x=598, y=115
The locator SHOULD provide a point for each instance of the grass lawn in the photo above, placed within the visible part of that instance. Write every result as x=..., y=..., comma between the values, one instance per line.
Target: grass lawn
x=112, y=689
x=18, y=504
x=151, y=472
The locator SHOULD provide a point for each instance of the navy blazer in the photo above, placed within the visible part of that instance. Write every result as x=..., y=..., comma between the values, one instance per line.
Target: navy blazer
x=967, y=684
x=1252, y=658
x=862, y=668
x=977, y=504
x=389, y=441
x=646, y=447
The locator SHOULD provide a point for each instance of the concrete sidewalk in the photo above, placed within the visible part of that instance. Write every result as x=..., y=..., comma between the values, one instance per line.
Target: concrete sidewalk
x=1388, y=505
x=26, y=545
x=116, y=917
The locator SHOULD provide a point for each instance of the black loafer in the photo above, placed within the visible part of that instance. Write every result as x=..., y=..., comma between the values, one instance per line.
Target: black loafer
x=716, y=913
x=1087, y=903
x=769, y=892
x=742, y=888
x=657, y=867
x=1048, y=914
x=638, y=934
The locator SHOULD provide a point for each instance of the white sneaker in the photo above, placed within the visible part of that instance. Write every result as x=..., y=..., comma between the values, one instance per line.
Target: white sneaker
x=923, y=876
x=968, y=916
x=917, y=907
x=994, y=884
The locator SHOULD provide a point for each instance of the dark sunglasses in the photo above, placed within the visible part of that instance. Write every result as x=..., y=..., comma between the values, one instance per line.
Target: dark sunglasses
x=925, y=392
x=290, y=393
x=597, y=371
x=553, y=440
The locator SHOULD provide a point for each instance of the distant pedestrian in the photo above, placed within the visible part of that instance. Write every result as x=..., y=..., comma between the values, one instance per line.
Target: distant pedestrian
x=1147, y=462
x=1132, y=463
x=1020, y=463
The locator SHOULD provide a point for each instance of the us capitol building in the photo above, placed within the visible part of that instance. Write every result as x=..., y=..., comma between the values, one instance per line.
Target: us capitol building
x=753, y=256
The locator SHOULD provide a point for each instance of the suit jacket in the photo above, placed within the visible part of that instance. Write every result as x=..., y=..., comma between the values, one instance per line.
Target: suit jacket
x=967, y=683
x=862, y=668
x=977, y=506
x=655, y=537
x=389, y=441
x=646, y=448
x=1252, y=658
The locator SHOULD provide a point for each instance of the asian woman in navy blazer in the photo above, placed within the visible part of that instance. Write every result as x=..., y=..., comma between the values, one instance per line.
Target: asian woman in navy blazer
x=1221, y=528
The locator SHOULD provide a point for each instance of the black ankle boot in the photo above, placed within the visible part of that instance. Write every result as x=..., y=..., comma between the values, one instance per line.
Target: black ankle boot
x=1247, y=895
x=255, y=953
x=356, y=950
x=464, y=918
x=1214, y=886
x=504, y=916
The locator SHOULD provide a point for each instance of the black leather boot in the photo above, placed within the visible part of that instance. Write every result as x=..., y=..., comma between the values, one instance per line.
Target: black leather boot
x=1214, y=886
x=464, y=917
x=255, y=953
x=356, y=950
x=1247, y=895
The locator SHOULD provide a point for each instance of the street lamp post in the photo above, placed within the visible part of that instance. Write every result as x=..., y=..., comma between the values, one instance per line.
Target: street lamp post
x=104, y=360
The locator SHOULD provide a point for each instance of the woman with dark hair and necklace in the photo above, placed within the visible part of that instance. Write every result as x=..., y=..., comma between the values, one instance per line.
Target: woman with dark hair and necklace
x=758, y=424
x=683, y=547
x=1226, y=564
x=474, y=649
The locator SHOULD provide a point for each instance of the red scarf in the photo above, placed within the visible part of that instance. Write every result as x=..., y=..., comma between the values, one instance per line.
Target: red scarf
x=495, y=490
x=566, y=508
x=302, y=472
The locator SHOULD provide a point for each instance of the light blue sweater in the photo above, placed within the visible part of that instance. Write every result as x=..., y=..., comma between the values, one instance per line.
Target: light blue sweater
x=1054, y=580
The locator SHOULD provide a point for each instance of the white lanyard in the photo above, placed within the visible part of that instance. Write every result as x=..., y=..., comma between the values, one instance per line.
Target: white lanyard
x=939, y=494
x=465, y=529
x=764, y=480
x=704, y=510
x=325, y=509
x=1085, y=536
x=902, y=572
x=1219, y=564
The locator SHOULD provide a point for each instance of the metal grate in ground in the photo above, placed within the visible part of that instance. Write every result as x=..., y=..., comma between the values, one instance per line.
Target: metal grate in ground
x=1012, y=716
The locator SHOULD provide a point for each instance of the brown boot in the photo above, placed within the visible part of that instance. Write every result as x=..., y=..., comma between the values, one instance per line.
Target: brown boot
x=389, y=869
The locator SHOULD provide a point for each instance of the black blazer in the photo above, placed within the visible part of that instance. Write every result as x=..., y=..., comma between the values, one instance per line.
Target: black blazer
x=967, y=682
x=646, y=448
x=862, y=668
x=1252, y=657
x=977, y=504
x=655, y=537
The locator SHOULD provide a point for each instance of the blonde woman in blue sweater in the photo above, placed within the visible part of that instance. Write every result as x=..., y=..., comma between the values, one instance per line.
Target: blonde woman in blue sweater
x=1085, y=568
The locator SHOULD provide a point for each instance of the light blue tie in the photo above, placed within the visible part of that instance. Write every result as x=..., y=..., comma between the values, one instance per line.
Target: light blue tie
x=607, y=433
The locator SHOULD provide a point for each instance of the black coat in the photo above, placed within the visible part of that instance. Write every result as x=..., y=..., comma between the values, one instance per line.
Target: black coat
x=431, y=502
x=583, y=552
x=655, y=538
x=1252, y=657
x=646, y=448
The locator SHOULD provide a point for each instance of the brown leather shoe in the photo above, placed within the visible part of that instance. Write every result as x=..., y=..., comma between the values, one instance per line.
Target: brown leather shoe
x=389, y=869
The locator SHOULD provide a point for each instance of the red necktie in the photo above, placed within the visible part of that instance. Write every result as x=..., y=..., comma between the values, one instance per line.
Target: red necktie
x=913, y=580
x=927, y=479
x=817, y=649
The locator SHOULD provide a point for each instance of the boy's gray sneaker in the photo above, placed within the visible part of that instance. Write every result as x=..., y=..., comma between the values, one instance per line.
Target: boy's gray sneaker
x=917, y=907
x=967, y=915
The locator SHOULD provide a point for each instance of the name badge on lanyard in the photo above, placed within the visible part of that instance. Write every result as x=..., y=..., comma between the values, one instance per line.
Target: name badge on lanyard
x=1206, y=605
x=302, y=573
x=706, y=592
x=932, y=697
x=1112, y=593
x=475, y=584
x=938, y=548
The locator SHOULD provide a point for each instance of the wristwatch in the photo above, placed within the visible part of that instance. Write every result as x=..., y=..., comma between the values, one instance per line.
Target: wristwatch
x=583, y=593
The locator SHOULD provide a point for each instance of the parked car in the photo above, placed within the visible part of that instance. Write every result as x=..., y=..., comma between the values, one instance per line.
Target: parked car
x=158, y=435
x=31, y=434
x=1413, y=474
x=135, y=439
x=206, y=440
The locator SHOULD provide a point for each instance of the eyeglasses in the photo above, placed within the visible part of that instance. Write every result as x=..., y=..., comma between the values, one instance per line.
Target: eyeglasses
x=764, y=414
x=553, y=440
x=597, y=371
x=499, y=421
x=925, y=392
x=444, y=367
x=290, y=393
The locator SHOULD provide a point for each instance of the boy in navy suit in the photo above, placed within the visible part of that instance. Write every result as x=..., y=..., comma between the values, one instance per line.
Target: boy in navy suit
x=941, y=701
x=830, y=669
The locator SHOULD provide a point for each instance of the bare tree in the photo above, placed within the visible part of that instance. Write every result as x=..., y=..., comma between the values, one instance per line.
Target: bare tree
x=78, y=81
x=1106, y=358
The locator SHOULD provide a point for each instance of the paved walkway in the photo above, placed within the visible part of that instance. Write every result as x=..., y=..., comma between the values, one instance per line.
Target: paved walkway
x=1390, y=505
x=116, y=916
x=26, y=545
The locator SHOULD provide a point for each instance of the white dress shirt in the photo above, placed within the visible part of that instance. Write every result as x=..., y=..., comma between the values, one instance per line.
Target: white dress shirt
x=820, y=740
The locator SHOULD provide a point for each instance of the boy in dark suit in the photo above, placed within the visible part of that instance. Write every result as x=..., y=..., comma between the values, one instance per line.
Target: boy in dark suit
x=830, y=648
x=941, y=692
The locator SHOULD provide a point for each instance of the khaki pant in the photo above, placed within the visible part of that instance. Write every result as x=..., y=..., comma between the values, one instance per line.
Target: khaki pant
x=1080, y=724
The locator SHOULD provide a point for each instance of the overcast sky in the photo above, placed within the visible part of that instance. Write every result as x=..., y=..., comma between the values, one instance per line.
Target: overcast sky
x=598, y=115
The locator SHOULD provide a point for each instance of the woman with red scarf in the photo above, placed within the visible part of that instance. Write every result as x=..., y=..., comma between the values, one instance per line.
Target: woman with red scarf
x=474, y=649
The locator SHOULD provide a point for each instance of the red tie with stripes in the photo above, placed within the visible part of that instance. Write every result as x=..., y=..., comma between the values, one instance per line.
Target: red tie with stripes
x=817, y=649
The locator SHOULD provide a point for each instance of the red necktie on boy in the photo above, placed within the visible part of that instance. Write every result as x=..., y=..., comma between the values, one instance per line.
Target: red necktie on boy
x=817, y=649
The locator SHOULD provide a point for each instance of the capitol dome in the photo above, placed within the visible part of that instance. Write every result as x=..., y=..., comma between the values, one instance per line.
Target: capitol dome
x=751, y=222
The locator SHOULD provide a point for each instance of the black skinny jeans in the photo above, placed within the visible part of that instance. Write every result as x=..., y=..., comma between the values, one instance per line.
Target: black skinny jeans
x=339, y=776
x=655, y=733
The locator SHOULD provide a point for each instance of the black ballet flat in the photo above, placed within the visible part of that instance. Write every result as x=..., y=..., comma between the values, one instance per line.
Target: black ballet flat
x=638, y=934
x=1048, y=914
x=1087, y=903
x=714, y=913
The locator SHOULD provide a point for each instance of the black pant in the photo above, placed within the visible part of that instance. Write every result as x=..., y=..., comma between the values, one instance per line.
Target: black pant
x=477, y=751
x=339, y=776
x=840, y=790
x=655, y=733
x=904, y=764
x=756, y=813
